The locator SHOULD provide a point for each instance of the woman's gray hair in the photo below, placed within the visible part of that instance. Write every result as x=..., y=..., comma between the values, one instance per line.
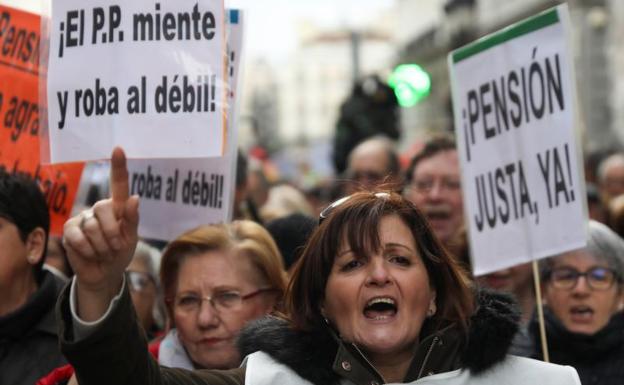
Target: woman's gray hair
x=150, y=256
x=603, y=244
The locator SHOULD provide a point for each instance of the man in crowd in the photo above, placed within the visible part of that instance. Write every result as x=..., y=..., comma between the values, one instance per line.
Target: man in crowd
x=372, y=162
x=433, y=184
x=611, y=177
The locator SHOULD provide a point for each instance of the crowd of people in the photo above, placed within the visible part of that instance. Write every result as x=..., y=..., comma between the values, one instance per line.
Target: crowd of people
x=365, y=280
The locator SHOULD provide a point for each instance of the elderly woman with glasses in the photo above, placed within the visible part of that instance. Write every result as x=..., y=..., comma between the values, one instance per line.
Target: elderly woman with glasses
x=373, y=299
x=583, y=308
x=216, y=279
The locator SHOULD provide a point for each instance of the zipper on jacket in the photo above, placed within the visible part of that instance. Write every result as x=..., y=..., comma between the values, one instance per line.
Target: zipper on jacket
x=369, y=363
x=422, y=368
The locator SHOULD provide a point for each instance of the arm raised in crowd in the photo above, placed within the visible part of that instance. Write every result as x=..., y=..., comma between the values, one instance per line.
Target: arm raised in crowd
x=100, y=243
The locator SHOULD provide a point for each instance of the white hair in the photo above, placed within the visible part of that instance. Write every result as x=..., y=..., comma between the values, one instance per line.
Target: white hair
x=611, y=161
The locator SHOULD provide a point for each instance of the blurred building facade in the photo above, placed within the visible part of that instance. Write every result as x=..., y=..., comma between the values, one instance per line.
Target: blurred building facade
x=308, y=90
x=616, y=57
x=598, y=27
x=320, y=75
x=259, y=115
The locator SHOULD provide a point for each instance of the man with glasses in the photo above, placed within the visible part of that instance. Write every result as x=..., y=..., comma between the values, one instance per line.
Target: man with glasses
x=433, y=184
x=372, y=162
x=611, y=177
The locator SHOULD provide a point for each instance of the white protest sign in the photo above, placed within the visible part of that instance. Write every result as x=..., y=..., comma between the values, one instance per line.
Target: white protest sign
x=180, y=194
x=144, y=75
x=514, y=103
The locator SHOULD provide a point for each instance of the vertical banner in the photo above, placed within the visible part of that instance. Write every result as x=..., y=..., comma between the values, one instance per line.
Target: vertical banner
x=194, y=191
x=147, y=76
x=514, y=104
x=19, y=115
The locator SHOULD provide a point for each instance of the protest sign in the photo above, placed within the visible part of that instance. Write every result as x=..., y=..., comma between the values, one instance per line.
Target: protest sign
x=191, y=192
x=146, y=76
x=515, y=112
x=178, y=195
x=19, y=115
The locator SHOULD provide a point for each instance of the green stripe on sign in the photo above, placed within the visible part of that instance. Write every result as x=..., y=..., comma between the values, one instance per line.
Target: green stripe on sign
x=531, y=24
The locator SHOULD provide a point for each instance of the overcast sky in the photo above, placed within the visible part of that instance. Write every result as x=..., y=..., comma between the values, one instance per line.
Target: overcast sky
x=271, y=23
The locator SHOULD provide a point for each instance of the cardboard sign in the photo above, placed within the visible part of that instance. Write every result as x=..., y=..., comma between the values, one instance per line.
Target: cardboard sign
x=147, y=76
x=19, y=115
x=515, y=111
x=191, y=192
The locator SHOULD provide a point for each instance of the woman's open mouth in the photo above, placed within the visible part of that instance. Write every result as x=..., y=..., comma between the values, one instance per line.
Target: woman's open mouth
x=380, y=308
x=581, y=314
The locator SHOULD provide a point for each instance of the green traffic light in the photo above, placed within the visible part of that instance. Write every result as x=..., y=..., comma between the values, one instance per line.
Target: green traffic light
x=411, y=84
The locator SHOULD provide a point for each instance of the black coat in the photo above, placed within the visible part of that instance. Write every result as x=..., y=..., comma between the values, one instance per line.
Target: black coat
x=28, y=340
x=598, y=359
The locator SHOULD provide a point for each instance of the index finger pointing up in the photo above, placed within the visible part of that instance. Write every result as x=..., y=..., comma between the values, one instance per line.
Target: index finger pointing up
x=119, y=181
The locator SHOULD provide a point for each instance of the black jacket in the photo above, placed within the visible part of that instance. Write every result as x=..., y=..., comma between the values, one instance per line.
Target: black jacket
x=28, y=340
x=315, y=356
x=598, y=358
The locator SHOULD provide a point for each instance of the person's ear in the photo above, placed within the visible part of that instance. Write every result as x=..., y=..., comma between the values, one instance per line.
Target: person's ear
x=35, y=244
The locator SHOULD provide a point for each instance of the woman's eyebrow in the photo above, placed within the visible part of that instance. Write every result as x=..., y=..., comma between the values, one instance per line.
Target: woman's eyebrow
x=186, y=292
x=216, y=289
x=399, y=245
x=224, y=288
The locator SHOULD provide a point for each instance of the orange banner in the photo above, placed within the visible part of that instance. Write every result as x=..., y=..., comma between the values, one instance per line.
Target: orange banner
x=19, y=115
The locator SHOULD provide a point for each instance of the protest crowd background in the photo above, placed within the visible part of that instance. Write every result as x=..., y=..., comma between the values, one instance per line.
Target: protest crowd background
x=340, y=196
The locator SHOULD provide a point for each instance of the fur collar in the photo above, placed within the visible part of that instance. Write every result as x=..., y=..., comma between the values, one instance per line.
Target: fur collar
x=311, y=354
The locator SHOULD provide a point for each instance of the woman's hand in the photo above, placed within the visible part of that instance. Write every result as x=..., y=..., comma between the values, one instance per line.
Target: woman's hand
x=100, y=243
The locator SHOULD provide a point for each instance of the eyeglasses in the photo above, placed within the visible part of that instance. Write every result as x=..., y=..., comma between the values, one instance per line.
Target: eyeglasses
x=598, y=278
x=221, y=302
x=425, y=185
x=139, y=280
x=365, y=175
x=327, y=210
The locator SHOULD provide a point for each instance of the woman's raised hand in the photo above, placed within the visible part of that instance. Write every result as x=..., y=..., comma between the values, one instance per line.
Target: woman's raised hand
x=100, y=243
